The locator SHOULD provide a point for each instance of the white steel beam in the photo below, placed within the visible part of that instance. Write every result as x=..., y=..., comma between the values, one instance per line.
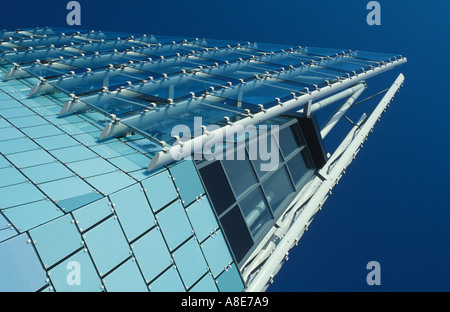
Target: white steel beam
x=264, y=276
x=187, y=148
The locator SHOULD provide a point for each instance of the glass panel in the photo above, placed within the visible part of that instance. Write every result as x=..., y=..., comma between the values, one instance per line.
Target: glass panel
x=133, y=210
x=74, y=153
x=190, y=262
x=28, y=121
x=88, y=277
x=91, y=167
x=218, y=187
x=241, y=175
x=41, y=131
x=202, y=218
x=160, y=190
x=170, y=281
x=31, y=158
x=28, y=193
x=20, y=145
x=21, y=270
x=48, y=172
x=152, y=254
x=91, y=214
x=290, y=139
x=206, y=284
x=298, y=167
x=56, y=141
x=126, y=278
x=230, y=280
x=27, y=216
x=131, y=162
x=110, y=182
x=10, y=133
x=70, y=193
x=278, y=187
x=217, y=253
x=174, y=224
x=11, y=176
x=237, y=233
x=16, y=112
x=107, y=245
x=256, y=212
x=187, y=181
x=56, y=239
x=113, y=149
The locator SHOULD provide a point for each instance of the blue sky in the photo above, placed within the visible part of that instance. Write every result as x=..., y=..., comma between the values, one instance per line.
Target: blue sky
x=392, y=205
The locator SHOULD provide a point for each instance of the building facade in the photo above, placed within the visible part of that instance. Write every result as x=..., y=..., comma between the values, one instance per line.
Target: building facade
x=133, y=162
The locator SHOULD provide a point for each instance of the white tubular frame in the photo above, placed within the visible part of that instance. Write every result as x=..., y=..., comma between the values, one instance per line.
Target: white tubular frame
x=264, y=271
x=187, y=148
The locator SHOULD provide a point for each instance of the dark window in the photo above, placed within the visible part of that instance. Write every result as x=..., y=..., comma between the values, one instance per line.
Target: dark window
x=298, y=166
x=217, y=185
x=290, y=139
x=278, y=187
x=241, y=175
x=237, y=233
x=256, y=212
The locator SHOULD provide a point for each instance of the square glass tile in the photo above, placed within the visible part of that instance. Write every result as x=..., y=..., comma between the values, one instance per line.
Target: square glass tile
x=27, y=216
x=4, y=163
x=19, y=194
x=21, y=255
x=10, y=133
x=11, y=176
x=18, y=145
x=76, y=274
x=133, y=210
x=217, y=253
x=41, y=131
x=7, y=230
x=107, y=245
x=56, y=141
x=73, y=153
x=206, y=284
x=70, y=193
x=169, y=281
x=160, y=190
x=111, y=182
x=93, y=213
x=230, y=280
x=126, y=278
x=15, y=112
x=47, y=172
x=56, y=239
x=28, y=121
x=202, y=218
x=31, y=158
x=187, y=181
x=91, y=167
x=174, y=224
x=131, y=162
x=190, y=262
x=152, y=254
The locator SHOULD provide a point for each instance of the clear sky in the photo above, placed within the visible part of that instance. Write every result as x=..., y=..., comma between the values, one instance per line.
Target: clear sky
x=392, y=206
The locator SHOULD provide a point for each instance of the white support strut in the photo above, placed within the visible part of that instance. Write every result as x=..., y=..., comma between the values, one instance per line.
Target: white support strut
x=272, y=264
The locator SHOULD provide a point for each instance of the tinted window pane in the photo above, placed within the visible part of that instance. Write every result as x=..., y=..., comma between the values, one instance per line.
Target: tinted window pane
x=255, y=211
x=240, y=174
x=297, y=167
x=277, y=188
x=237, y=233
x=218, y=188
x=290, y=139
